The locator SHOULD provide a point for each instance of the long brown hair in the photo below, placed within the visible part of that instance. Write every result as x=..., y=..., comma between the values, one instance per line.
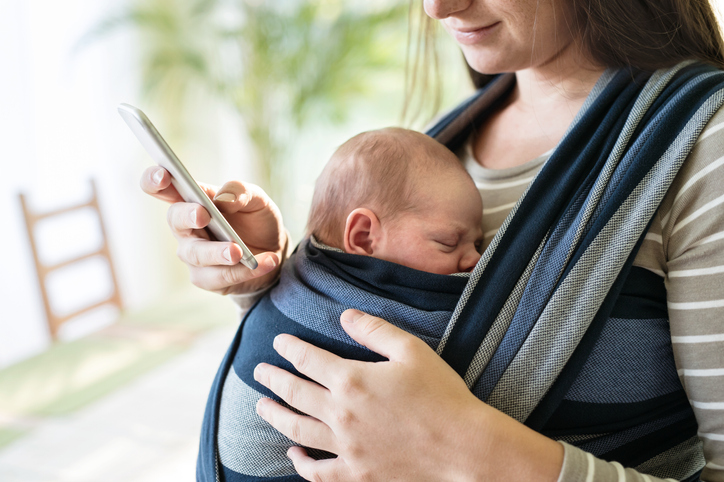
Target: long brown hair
x=423, y=82
x=645, y=34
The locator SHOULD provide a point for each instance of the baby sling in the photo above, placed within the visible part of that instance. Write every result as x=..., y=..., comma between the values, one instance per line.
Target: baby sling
x=317, y=284
x=556, y=287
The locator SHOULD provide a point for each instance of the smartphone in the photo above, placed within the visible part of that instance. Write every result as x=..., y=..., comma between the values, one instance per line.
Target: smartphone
x=186, y=186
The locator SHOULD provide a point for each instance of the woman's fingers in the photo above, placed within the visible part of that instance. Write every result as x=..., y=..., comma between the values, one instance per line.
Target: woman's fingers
x=235, y=196
x=378, y=335
x=224, y=279
x=156, y=181
x=199, y=252
x=326, y=470
x=183, y=218
x=252, y=214
x=305, y=396
x=302, y=429
x=320, y=365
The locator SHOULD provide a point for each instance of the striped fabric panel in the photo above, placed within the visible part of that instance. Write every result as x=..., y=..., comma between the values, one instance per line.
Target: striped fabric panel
x=247, y=444
x=688, y=455
x=685, y=244
x=631, y=362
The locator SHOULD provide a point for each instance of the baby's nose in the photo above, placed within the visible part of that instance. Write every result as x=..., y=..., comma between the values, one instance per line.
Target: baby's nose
x=468, y=261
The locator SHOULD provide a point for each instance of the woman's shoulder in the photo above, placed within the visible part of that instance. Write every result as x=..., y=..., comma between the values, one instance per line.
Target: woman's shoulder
x=693, y=208
x=692, y=211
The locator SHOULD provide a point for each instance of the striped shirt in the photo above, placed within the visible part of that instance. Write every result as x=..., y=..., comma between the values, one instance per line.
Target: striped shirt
x=685, y=246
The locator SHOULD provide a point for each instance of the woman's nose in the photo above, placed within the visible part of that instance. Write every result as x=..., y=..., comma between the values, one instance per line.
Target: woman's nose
x=440, y=9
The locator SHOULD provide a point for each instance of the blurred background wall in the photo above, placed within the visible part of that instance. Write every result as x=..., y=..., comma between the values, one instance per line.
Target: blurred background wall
x=57, y=131
x=245, y=90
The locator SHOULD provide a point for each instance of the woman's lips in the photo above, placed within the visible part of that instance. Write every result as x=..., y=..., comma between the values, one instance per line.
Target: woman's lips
x=472, y=36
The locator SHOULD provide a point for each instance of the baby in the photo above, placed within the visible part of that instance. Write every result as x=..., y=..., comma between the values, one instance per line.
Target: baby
x=394, y=214
x=401, y=196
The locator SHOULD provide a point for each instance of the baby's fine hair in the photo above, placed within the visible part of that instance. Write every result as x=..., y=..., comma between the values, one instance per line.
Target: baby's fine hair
x=374, y=170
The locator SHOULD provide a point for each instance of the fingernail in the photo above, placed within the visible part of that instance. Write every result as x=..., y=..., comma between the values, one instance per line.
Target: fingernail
x=257, y=373
x=260, y=406
x=351, y=316
x=270, y=263
x=157, y=176
x=192, y=216
x=227, y=254
x=225, y=197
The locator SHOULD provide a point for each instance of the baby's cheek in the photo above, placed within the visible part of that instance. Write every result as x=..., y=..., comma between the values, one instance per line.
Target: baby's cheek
x=445, y=263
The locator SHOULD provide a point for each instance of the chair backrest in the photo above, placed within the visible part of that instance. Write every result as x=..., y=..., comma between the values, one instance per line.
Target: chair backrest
x=31, y=220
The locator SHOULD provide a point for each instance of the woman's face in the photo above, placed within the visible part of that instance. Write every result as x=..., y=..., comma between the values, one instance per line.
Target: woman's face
x=504, y=35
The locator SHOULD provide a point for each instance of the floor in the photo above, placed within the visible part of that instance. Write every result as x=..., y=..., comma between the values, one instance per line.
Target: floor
x=144, y=430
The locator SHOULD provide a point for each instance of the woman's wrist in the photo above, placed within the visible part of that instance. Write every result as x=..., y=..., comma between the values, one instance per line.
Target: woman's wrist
x=530, y=455
x=492, y=446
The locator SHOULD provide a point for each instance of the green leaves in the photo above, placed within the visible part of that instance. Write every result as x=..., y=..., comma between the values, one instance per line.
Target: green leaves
x=280, y=64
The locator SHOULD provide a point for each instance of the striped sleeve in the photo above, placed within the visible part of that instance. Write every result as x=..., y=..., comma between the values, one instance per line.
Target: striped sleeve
x=692, y=235
x=580, y=466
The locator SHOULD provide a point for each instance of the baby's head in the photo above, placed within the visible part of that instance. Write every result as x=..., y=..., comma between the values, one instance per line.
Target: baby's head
x=399, y=195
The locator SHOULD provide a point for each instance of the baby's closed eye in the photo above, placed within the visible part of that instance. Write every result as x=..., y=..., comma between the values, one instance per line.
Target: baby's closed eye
x=448, y=245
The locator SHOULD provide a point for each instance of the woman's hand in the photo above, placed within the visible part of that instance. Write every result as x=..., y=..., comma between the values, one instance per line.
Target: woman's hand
x=214, y=265
x=410, y=418
x=384, y=420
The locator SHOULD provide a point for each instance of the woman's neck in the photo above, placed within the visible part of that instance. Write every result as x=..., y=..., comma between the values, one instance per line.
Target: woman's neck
x=537, y=114
x=565, y=80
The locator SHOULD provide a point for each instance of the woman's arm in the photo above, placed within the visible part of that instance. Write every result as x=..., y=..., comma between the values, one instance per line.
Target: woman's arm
x=214, y=266
x=410, y=418
x=691, y=222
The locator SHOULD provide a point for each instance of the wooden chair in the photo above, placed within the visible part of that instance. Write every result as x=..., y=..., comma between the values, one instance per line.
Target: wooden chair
x=31, y=220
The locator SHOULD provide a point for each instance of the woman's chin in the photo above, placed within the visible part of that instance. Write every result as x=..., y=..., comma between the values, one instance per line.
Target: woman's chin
x=489, y=67
x=489, y=63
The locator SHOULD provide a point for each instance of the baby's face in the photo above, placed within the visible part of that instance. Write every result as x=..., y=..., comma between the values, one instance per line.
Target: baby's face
x=443, y=234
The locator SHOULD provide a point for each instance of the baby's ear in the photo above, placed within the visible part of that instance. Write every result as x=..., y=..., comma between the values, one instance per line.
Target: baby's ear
x=361, y=232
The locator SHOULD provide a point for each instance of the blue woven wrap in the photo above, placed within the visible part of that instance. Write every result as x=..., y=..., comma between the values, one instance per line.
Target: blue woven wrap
x=541, y=324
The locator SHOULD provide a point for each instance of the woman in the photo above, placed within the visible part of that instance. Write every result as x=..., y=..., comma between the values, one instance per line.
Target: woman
x=432, y=427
